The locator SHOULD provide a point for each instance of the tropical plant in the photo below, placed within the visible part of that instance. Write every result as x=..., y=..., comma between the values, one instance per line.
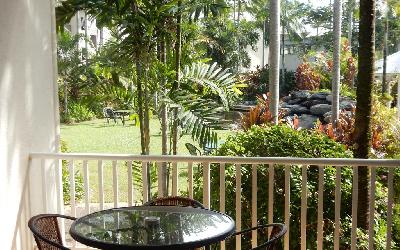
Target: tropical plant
x=307, y=78
x=206, y=91
x=282, y=141
x=256, y=81
x=221, y=45
x=316, y=70
x=77, y=113
x=260, y=114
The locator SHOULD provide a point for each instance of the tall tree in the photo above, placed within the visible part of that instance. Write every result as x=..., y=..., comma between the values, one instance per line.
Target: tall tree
x=337, y=27
x=365, y=76
x=385, y=84
x=274, y=57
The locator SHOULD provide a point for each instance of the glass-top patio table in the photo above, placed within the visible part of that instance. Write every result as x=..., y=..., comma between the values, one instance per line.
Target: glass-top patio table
x=152, y=227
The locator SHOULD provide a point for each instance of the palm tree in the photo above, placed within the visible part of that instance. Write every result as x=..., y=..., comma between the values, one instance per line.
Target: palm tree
x=362, y=132
x=385, y=85
x=337, y=26
x=274, y=57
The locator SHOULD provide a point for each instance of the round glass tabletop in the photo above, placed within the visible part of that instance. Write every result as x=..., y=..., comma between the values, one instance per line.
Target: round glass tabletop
x=152, y=227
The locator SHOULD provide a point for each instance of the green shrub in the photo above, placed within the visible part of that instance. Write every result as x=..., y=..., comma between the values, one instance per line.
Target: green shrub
x=77, y=113
x=65, y=179
x=282, y=141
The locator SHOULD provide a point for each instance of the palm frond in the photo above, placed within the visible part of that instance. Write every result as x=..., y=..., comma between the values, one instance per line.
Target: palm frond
x=211, y=77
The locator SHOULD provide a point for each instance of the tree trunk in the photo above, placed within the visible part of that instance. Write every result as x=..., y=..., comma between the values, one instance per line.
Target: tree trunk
x=238, y=36
x=385, y=85
x=263, y=46
x=274, y=58
x=337, y=27
x=362, y=132
x=146, y=114
x=283, y=55
x=86, y=41
x=140, y=106
x=178, y=44
x=164, y=121
x=177, y=77
x=350, y=31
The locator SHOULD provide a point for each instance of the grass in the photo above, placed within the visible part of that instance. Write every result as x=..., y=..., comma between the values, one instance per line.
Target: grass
x=97, y=136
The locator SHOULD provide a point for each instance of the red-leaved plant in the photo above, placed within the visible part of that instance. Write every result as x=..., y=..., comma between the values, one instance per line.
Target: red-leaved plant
x=260, y=114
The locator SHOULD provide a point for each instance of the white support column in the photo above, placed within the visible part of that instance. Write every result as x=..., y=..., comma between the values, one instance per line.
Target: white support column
x=337, y=26
x=274, y=49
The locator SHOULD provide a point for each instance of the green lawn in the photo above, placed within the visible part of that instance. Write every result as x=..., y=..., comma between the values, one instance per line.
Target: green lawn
x=97, y=136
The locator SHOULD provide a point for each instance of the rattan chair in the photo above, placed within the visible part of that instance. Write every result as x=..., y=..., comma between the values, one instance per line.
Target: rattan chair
x=174, y=201
x=46, y=231
x=277, y=232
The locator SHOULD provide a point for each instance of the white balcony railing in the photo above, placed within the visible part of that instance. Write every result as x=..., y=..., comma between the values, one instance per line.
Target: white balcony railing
x=139, y=192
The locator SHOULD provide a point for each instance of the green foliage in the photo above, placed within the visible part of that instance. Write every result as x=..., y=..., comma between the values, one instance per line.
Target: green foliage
x=289, y=84
x=205, y=92
x=283, y=141
x=226, y=42
x=77, y=113
x=316, y=70
x=66, y=182
x=386, y=128
x=256, y=81
x=307, y=78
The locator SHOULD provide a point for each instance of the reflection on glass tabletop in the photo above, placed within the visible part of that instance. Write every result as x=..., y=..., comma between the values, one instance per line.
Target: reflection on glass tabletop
x=153, y=227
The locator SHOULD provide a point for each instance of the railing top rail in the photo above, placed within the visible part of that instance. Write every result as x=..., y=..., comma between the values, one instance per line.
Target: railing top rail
x=220, y=159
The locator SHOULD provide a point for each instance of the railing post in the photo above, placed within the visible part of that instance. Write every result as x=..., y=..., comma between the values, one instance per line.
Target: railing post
x=86, y=186
x=354, y=209
x=115, y=183
x=287, y=206
x=338, y=200
x=222, y=194
x=320, y=223
x=190, y=179
x=145, y=183
x=130, y=183
x=371, y=233
x=390, y=210
x=238, y=205
x=174, y=179
x=101, y=184
x=71, y=167
x=271, y=181
x=303, y=223
x=206, y=184
x=254, y=188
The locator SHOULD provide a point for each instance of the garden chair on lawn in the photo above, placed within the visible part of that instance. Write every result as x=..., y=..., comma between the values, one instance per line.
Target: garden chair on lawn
x=110, y=114
x=46, y=231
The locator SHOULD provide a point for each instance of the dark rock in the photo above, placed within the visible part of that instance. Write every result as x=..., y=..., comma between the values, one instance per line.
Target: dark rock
x=285, y=111
x=319, y=96
x=283, y=105
x=347, y=105
x=329, y=98
x=327, y=117
x=307, y=121
x=294, y=101
x=298, y=110
x=286, y=98
x=310, y=103
x=320, y=109
x=302, y=95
